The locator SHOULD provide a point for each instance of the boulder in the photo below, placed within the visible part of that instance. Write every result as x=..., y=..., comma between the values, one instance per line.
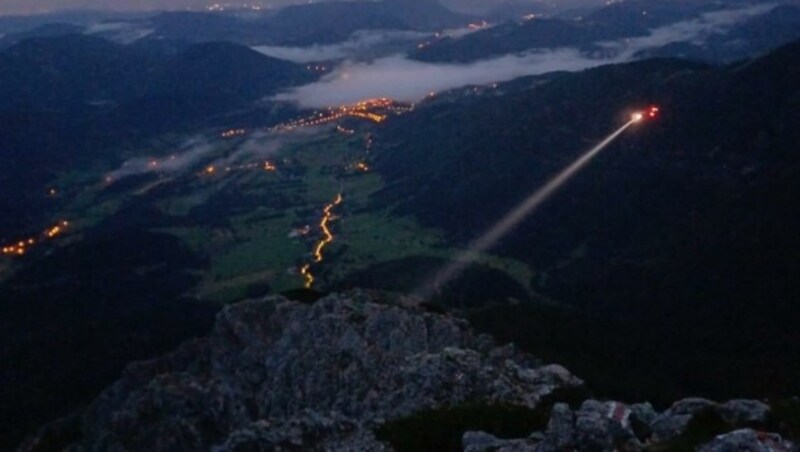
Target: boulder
x=741, y=411
x=673, y=422
x=750, y=441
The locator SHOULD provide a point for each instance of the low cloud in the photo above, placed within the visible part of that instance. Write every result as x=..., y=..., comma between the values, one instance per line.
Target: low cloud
x=361, y=43
x=262, y=146
x=199, y=153
x=190, y=155
x=259, y=147
x=408, y=80
x=121, y=32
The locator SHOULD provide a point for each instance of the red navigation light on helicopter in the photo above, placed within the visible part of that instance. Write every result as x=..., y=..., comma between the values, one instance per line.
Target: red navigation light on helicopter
x=648, y=114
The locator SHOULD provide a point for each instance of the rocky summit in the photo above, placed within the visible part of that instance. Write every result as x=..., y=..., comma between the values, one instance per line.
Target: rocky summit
x=276, y=374
x=689, y=424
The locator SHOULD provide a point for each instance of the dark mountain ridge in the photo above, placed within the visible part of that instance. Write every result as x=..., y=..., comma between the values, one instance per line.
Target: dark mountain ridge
x=299, y=25
x=66, y=99
x=72, y=71
x=751, y=37
x=330, y=22
x=686, y=227
x=42, y=31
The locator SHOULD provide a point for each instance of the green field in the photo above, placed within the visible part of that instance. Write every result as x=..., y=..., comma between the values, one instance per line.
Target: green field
x=241, y=218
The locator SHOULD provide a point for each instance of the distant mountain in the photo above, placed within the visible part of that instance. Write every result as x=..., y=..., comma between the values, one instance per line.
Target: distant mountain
x=335, y=21
x=615, y=22
x=777, y=27
x=199, y=26
x=211, y=79
x=515, y=10
x=299, y=25
x=67, y=72
x=80, y=18
x=636, y=17
x=686, y=226
x=515, y=37
x=67, y=98
x=78, y=72
x=42, y=31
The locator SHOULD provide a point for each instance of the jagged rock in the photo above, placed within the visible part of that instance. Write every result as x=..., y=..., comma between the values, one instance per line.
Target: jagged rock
x=673, y=422
x=479, y=441
x=691, y=405
x=592, y=427
x=560, y=433
x=643, y=412
x=642, y=417
x=484, y=442
x=750, y=441
x=604, y=426
x=300, y=432
x=596, y=426
x=281, y=374
x=739, y=411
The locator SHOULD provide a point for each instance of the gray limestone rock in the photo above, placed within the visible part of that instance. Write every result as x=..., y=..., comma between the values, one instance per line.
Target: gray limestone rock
x=560, y=433
x=742, y=411
x=748, y=440
x=484, y=442
x=281, y=374
x=673, y=422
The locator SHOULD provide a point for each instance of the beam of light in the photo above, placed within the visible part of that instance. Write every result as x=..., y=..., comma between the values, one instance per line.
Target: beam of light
x=456, y=267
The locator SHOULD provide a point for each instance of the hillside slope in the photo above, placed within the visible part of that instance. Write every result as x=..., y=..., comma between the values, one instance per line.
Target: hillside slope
x=686, y=226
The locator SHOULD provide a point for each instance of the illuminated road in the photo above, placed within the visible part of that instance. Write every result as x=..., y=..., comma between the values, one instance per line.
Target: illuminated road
x=306, y=272
x=22, y=247
x=327, y=239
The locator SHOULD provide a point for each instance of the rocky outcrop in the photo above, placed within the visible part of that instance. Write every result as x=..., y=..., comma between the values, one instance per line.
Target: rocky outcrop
x=748, y=440
x=276, y=373
x=614, y=426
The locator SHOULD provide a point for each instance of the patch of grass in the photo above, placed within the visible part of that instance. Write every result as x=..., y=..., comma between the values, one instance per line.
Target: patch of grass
x=180, y=206
x=259, y=247
x=376, y=236
x=240, y=221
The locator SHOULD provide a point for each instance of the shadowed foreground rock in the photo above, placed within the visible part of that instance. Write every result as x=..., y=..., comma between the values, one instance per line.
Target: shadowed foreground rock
x=280, y=374
x=614, y=426
x=283, y=375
